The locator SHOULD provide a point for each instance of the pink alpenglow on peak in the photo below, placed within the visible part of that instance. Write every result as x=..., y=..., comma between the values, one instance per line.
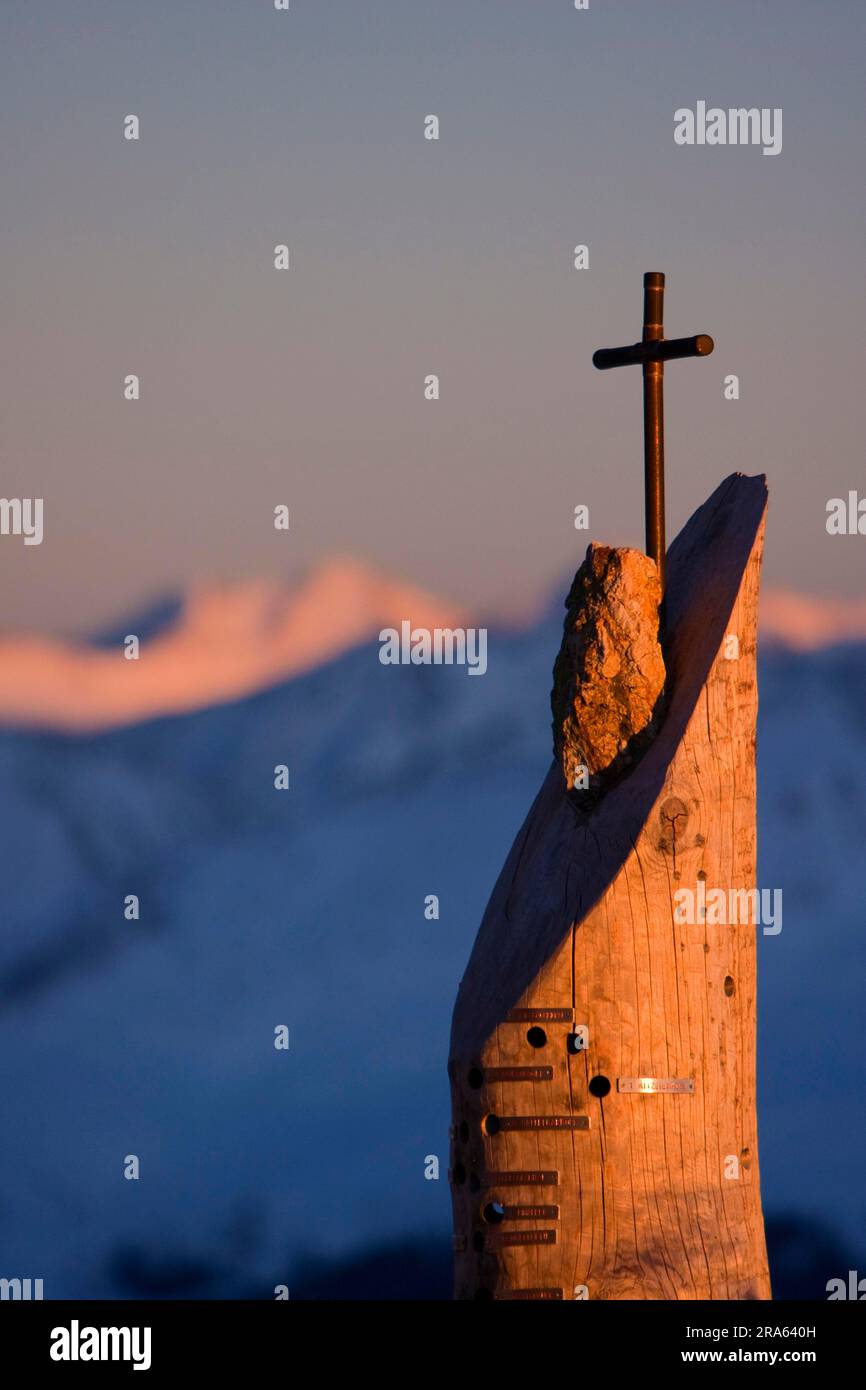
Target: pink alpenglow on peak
x=229, y=641
x=804, y=624
x=233, y=640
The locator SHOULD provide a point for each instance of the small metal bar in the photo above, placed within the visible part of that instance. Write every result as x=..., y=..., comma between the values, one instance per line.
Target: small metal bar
x=490, y=1074
x=656, y=1085
x=526, y=1177
x=530, y=1213
x=540, y=1016
x=534, y=1295
x=501, y=1238
x=535, y=1122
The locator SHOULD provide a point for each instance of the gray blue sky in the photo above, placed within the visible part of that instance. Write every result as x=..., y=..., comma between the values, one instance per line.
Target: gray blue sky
x=411, y=257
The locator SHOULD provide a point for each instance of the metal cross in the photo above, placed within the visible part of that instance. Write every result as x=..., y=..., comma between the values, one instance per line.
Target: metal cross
x=652, y=352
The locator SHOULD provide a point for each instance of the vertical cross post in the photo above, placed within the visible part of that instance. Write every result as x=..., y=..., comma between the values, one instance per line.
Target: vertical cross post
x=651, y=353
x=654, y=422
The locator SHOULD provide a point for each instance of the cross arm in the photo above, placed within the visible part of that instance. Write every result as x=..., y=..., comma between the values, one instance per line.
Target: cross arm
x=661, y=350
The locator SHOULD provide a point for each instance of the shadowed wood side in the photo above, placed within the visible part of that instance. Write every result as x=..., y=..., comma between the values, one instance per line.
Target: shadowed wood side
x=582, y=921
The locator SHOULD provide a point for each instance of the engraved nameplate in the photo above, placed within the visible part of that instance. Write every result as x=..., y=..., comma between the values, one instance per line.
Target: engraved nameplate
x=530, y=1213
x=656, y=1085
x=540, y=1016
x=518, y=1073
x=521, y=1238
x=548, y=1295
x=521, y=1177
x=524, y=1122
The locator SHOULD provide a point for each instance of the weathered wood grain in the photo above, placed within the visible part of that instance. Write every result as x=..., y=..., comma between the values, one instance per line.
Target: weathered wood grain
x=583, y=918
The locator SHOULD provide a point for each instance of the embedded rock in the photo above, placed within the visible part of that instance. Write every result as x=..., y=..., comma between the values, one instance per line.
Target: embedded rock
x=609, y=675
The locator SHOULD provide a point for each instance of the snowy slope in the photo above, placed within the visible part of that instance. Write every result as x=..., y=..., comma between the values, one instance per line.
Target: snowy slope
x=305, y=908
x=217, y=644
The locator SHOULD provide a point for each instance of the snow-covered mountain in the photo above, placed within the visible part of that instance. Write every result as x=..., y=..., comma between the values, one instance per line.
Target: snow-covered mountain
x=215, y=644
x=305, y=907
x=221, y=642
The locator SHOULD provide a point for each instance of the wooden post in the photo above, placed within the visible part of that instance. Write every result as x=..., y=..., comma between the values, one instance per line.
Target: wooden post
x=571, y=1175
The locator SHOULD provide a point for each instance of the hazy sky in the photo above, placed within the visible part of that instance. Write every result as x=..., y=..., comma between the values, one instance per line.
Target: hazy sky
x=412, y=257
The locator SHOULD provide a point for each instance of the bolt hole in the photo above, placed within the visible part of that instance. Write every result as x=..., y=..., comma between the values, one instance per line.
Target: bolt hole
x=493, y=1213
x=536, y=1037
x=599, y=1086
x=729, y=985
x=575, y=1043
x=491, y=1124
x=476, y=1078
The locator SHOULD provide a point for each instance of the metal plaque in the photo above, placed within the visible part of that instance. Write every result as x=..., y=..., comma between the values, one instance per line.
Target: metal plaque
x=656, y=1085
x=540, y=1016
x=524, y=1122
x=518, y=1073
x=521, y=1177
x=521, y=1238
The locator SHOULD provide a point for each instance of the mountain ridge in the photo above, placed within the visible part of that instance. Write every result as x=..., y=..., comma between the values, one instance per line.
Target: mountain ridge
x=218, y=643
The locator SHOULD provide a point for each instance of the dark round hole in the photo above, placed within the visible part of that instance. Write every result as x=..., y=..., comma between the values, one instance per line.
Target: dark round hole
x=478, y=1242
x=536, y=1037
x=474, y=1182
x=599, y=1086
x=729, y=985
x=459, y=1173
x=464, y=1132
x=493, y=1213
x=476, y=1078
x=491, y=1124
x=574, y=1043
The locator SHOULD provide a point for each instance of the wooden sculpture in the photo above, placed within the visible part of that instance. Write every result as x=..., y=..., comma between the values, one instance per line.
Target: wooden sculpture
x=602, y=1057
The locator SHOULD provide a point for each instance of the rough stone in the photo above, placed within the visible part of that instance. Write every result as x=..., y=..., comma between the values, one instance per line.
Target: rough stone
x=609, y=676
